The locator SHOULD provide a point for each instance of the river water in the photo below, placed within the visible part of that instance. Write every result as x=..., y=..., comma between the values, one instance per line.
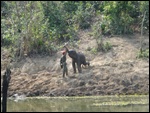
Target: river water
x=130, y=103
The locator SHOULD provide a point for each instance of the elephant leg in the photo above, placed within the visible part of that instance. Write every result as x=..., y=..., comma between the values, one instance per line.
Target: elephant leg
x=79, y=67
x=74, y=66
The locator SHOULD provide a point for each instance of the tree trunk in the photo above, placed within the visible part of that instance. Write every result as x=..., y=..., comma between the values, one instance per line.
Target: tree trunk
x=6, y=79
x=141, y=39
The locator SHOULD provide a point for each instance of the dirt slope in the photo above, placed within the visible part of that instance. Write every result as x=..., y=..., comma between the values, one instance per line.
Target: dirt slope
x=115, y=72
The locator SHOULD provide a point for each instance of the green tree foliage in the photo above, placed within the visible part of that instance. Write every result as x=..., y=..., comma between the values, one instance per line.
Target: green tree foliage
x=117, y=12
x=84, y=14
x=40, y=26
x=144, y=7
x=58, y=15
x=122, y=15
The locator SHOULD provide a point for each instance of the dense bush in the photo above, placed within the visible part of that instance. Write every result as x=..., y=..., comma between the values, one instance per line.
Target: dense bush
x=123, y=15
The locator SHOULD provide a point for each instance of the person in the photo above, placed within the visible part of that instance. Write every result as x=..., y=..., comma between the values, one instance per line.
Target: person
x=63, y=63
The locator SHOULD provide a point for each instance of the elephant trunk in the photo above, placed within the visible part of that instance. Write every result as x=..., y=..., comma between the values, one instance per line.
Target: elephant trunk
x=67, y=50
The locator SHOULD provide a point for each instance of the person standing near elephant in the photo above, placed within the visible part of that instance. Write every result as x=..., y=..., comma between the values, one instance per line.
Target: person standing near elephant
x=63, y=63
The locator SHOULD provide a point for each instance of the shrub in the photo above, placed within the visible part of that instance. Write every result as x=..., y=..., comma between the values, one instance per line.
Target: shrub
x=106, y=46
x=143, y=54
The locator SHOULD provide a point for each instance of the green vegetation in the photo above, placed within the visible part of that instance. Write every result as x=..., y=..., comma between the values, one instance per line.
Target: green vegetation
x=121, y=103
x=40, y=27
x=143, y=54
x=107, y=46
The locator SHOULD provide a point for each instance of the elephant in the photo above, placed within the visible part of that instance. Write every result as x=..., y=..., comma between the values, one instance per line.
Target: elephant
x=77, y=58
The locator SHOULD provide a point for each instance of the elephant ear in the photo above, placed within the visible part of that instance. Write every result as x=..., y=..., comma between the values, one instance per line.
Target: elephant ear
x=72, y=54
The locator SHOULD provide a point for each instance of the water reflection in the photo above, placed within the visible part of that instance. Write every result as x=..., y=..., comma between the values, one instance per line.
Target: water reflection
x=81, y=104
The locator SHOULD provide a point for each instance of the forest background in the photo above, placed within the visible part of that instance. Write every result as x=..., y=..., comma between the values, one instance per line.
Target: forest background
x=40, y=27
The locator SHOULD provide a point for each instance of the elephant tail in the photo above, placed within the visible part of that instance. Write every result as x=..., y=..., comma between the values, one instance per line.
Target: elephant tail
x=88, y=63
